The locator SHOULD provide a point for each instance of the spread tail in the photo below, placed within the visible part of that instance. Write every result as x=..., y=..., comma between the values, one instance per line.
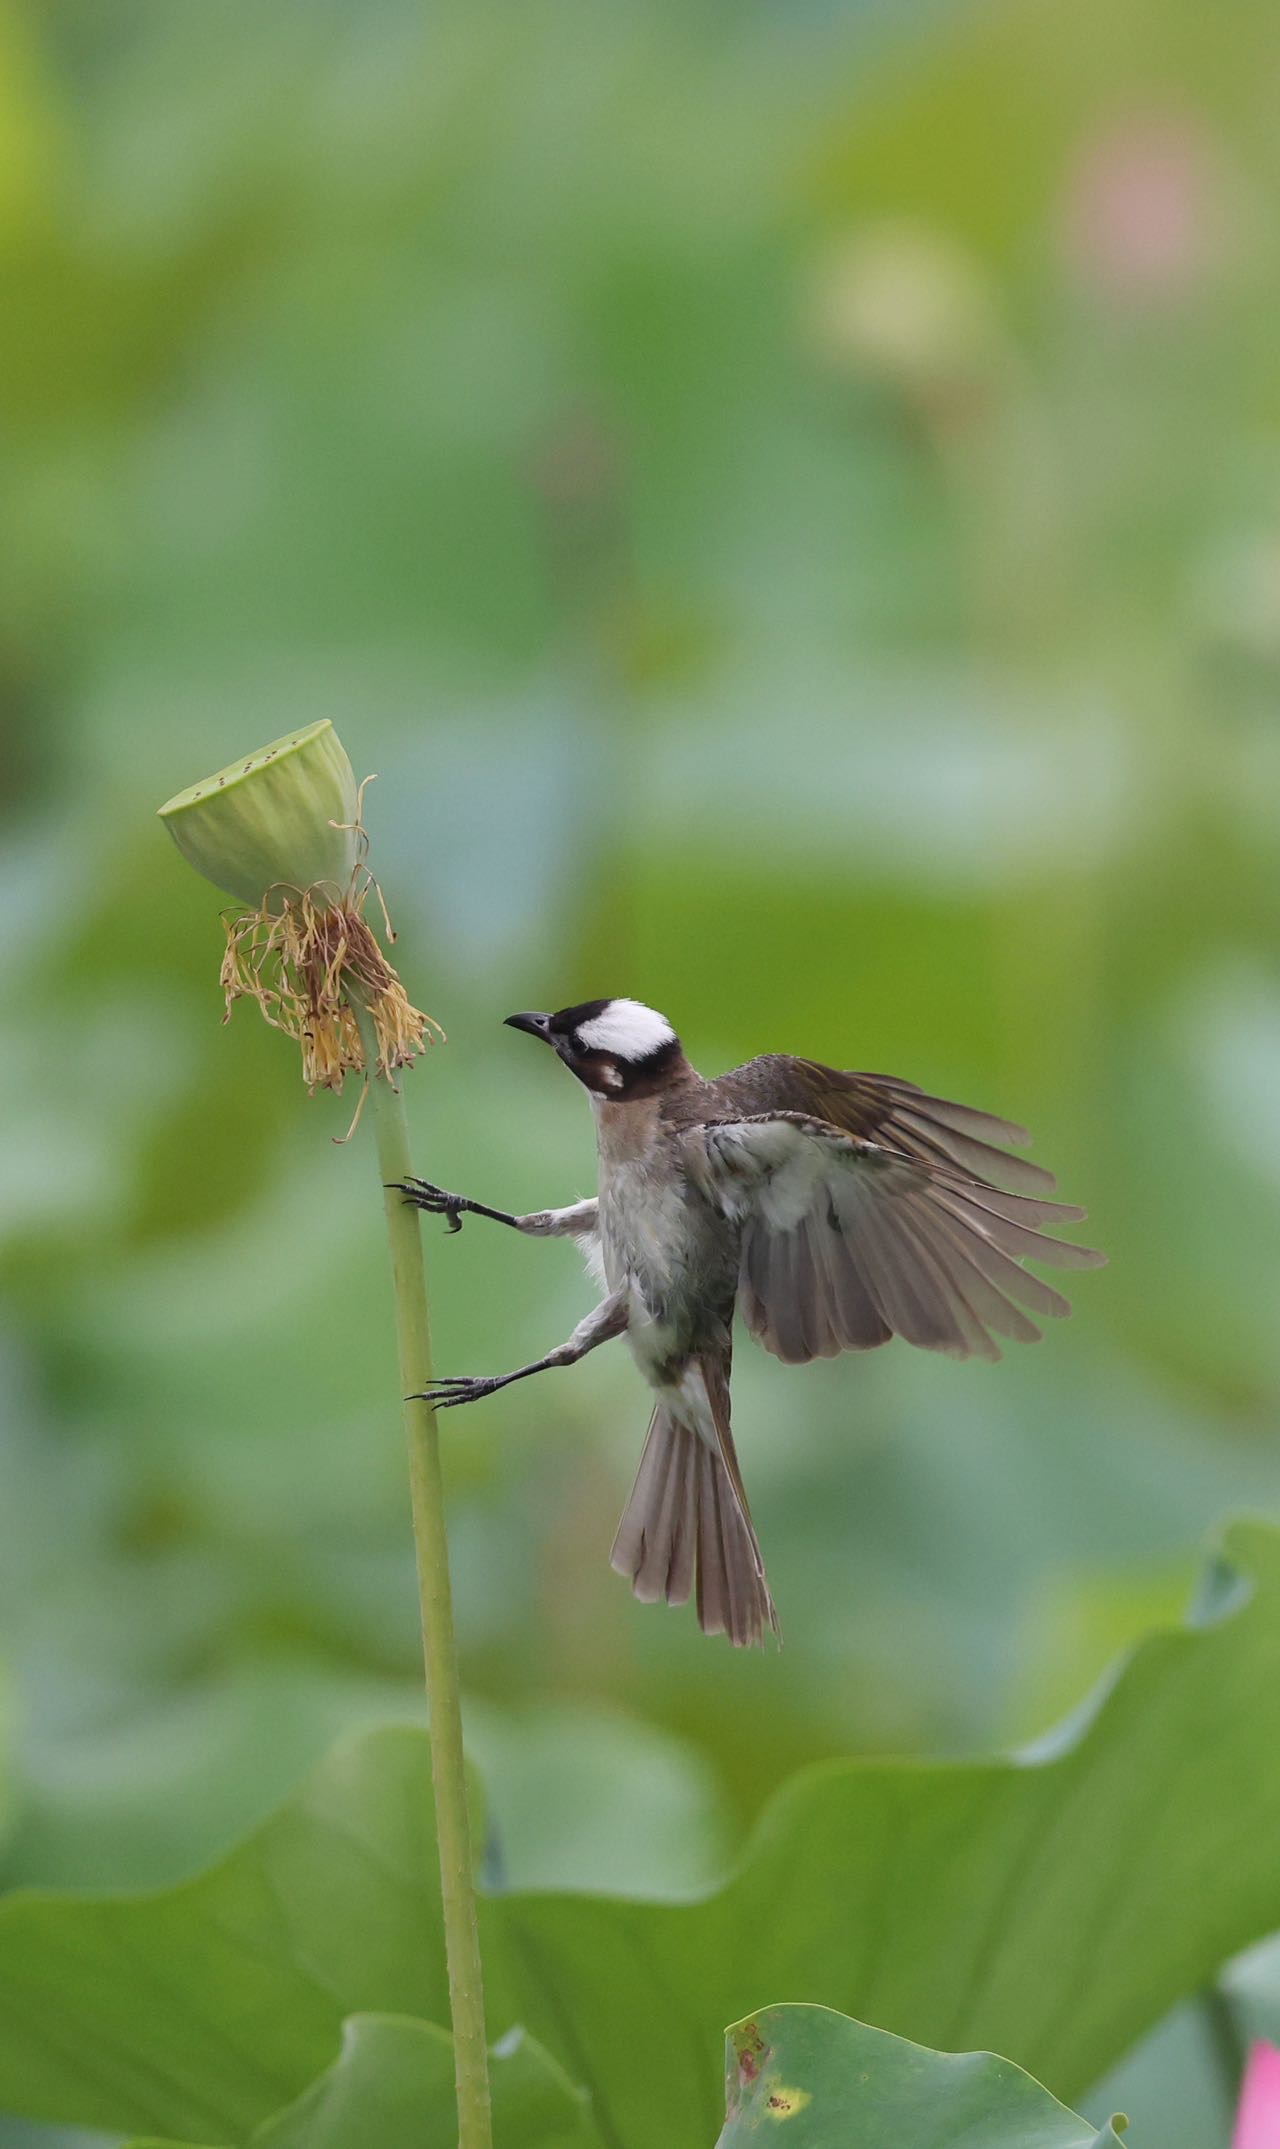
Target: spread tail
x=688, y=1515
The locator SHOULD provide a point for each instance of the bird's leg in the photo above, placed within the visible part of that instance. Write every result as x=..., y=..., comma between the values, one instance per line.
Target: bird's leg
x=577, y=1221
x=607, y=1320
x=421, y=1194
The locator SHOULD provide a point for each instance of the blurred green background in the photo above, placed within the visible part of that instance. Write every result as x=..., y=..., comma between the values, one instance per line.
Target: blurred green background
x=788, y=497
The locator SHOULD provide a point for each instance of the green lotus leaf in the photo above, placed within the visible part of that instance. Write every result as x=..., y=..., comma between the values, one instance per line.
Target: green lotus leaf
x=392, y=2084
x=807, y=2078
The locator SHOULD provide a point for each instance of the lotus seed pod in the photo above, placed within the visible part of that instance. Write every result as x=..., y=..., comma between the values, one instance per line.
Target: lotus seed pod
x=280, y=820
x=281, y=831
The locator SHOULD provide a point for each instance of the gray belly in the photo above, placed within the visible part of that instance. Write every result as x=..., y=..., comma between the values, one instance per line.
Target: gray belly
x=677, y=1263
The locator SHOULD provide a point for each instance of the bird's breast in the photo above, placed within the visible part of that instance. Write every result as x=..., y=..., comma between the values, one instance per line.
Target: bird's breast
x=668, y=1251
x=643, y=1232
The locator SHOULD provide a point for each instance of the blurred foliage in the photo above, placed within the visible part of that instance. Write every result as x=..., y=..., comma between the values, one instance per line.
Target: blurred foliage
x=790, y=501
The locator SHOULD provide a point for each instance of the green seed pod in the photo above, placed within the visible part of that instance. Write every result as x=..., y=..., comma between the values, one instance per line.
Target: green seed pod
x=282, y=819
x=281, y=831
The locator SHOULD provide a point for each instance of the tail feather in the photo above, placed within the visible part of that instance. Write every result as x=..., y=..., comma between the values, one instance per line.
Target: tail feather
x=687, y=1513
x=667, y=1555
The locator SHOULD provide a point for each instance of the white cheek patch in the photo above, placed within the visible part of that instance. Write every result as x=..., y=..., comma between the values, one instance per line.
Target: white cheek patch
x=611, y=1076
x=628, y=1029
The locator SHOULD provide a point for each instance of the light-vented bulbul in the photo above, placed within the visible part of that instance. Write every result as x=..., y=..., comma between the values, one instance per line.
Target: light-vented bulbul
x=832, y=1210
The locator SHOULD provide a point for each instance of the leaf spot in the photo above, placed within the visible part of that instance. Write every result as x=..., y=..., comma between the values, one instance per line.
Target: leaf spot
x=785, y=2103
x=752, y=2049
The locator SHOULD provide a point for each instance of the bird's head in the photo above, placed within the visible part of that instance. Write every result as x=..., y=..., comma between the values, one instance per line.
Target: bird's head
x=619, y=1049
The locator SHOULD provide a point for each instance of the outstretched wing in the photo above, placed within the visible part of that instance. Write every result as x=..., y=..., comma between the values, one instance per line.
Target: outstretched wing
x=879, y=1108
x=849, y=1239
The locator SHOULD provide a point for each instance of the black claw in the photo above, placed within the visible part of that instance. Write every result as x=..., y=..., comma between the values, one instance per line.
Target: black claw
x=432, y=1200
x=444, y=1394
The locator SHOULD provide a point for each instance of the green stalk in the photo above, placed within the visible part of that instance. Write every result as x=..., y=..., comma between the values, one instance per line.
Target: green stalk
x=426, y=1485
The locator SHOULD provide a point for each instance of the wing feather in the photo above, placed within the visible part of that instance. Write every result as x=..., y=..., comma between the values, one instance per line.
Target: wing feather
x=968, y=1273
x=873, y=1107
x=854, y=1320
x=970, y=1205
x=966, y=1118
x=950, y=1276
x=908, y=1298
x=948, y=1145
x=847, y=1241
x=1005, y=1275
x=791, y=1296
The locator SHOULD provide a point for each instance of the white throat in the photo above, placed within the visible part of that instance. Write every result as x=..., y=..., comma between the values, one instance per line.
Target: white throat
x=628, y=1029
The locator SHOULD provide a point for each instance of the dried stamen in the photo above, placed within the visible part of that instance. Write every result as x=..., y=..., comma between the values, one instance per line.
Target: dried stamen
x=306, y=960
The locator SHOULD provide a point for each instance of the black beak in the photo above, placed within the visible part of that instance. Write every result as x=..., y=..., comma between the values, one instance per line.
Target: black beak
x=536, y=1025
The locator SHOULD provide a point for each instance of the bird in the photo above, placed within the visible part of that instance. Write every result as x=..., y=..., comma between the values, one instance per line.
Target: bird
x=832, y=1210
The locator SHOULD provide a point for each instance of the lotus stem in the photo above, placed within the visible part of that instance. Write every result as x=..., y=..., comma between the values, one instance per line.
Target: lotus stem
x=426, y=1486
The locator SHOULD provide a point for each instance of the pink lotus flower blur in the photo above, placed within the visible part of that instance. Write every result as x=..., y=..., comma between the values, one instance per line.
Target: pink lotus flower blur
x=1145, y=218
x=1258, y=2120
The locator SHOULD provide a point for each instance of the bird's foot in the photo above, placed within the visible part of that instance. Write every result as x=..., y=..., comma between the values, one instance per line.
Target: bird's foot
x=421, y=1194
x=445, y=1394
